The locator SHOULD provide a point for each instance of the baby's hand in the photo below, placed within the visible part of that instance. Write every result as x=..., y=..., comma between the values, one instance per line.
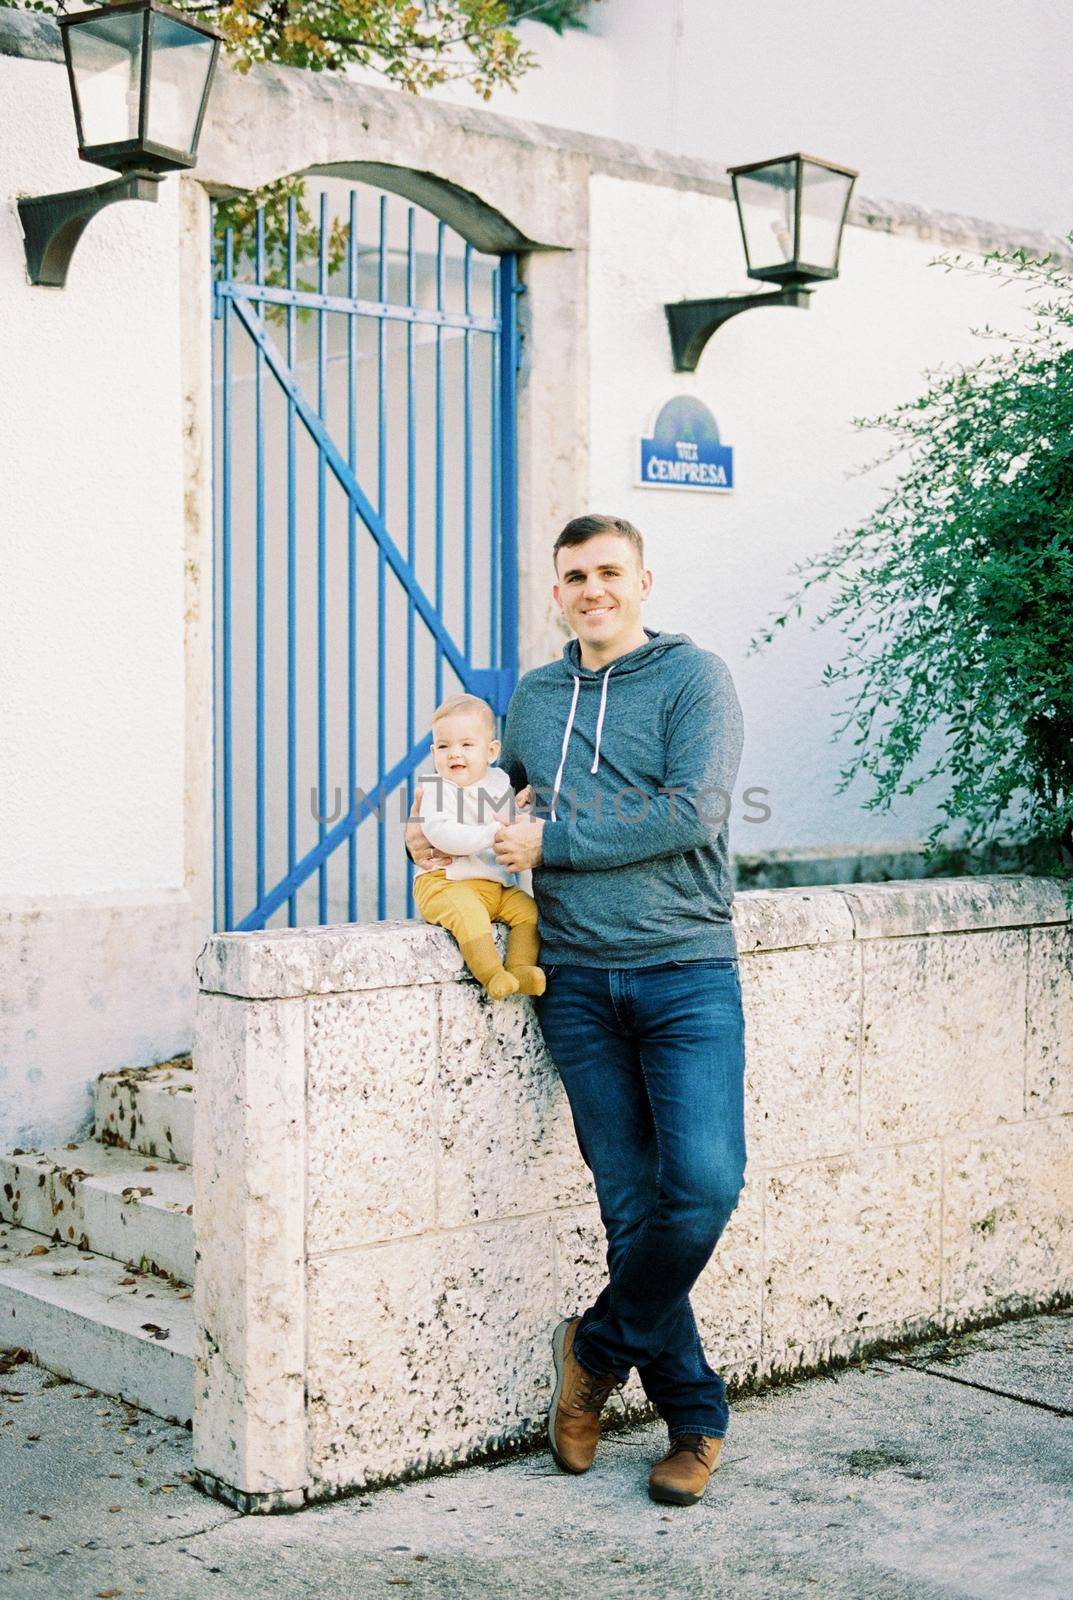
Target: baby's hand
x=524, y=800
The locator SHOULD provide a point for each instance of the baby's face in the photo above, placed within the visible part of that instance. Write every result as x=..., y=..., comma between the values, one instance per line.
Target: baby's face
x=463, y=748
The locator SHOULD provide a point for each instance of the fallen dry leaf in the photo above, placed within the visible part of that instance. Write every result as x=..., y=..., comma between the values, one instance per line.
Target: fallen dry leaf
x=39, y=1250
x=156, y=1331
x=108, y=1594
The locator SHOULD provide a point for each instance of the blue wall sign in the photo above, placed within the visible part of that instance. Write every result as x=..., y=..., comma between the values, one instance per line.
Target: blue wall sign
x=684, y=451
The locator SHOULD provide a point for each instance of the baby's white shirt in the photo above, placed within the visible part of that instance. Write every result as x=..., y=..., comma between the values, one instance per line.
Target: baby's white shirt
x=458, y=820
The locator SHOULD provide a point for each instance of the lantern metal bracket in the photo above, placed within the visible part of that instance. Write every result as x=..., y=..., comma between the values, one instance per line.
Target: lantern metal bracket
x=52, y=224
x=692, y=322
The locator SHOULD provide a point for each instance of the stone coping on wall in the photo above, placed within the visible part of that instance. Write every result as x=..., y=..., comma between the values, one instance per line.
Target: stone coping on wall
x=273, y=97
x=344, y=958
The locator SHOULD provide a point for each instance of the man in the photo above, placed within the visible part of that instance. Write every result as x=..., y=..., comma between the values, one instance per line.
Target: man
x=633, y=739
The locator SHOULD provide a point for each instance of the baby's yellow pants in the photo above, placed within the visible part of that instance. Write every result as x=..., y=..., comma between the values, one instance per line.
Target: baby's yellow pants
x=467, y=907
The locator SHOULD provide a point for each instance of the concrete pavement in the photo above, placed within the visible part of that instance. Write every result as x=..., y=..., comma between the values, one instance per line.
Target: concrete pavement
x=941, y=1472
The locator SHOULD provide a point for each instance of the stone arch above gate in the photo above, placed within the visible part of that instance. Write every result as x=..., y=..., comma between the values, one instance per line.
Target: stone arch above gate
x=501, y=184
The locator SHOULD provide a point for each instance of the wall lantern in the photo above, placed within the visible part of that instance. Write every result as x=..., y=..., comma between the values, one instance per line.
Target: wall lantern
x=140, y=75
x=792, y=211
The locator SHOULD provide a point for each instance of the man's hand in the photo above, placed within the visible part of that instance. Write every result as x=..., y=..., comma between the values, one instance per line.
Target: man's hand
x=420, y=851
x=520, y=845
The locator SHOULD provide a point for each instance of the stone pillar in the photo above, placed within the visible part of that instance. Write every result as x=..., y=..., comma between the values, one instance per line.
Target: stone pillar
x=249, y=1220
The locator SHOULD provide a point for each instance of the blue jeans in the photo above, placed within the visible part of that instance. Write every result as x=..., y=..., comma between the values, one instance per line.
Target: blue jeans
x=653, y=1063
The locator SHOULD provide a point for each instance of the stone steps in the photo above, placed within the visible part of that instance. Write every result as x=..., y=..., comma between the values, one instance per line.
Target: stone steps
x=111, y=1202
x=148, y=1109
x=89, y=1318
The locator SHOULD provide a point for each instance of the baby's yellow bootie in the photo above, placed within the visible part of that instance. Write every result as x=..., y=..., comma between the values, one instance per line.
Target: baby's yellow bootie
x=501, y=983
x=531, y=980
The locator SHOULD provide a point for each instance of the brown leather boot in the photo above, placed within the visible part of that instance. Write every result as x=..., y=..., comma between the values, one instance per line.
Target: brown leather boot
x=574, y=1416
x=681, y=1476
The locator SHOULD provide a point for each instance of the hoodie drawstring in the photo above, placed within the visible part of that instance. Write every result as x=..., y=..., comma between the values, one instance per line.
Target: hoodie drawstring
x=570, y=728
x=600, y=719
x=566, y=741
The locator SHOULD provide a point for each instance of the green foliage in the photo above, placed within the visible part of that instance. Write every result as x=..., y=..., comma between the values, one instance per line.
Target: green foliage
x=239, y=214
x=557, y=14
x=955, y=597
x=416, y=44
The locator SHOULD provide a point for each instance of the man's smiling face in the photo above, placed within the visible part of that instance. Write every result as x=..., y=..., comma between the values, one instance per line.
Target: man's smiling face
x=600, y=590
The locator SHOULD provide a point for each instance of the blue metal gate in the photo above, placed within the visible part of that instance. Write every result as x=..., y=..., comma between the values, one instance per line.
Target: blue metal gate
x=365, y=487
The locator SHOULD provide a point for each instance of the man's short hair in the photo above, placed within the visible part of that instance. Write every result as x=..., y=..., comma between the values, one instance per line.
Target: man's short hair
x=466, y=702
x=582, y=529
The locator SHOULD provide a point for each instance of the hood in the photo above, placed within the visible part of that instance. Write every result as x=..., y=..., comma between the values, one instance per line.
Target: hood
x=656, y=645
x=645, y=656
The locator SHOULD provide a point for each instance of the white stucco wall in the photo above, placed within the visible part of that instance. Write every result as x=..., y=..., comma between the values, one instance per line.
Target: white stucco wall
x=91, y=527
x=95, y=960
x=784, y=386
x=963, y=106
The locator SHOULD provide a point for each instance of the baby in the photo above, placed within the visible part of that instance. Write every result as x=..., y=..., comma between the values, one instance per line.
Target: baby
x=461, y=812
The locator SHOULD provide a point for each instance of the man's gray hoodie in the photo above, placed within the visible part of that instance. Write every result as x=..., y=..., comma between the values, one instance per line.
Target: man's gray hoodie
x=641, y=758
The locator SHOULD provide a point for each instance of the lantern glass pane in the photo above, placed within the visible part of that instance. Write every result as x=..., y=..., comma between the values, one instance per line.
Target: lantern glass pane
x=823, y=201
x=181, y=60
x=106, y=56
x=766, y=201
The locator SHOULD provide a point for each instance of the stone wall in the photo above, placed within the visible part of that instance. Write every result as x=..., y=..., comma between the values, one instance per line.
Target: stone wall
x=392, y=1214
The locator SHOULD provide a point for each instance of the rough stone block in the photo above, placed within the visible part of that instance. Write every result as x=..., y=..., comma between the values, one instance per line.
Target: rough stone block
x=506, y=1139
x=1049, y=1045
x=727, y=1297
x=951, y=905
x=581, y=1272
x=370, y=1076
x=249, y=1215
x=790, y=918
x=851, y=1251
x=1008, y=1218
x=340, y=958
x=425, y=1350
x=802, y=1021
x=942, y=1046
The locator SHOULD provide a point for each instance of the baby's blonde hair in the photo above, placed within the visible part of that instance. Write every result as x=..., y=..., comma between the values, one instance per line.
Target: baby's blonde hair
x=466, y=702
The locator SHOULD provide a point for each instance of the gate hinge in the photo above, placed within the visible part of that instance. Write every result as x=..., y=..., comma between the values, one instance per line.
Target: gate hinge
x=494, y=684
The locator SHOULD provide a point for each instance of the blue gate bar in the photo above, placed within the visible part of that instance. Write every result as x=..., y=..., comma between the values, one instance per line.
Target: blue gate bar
x=259, y=458
x=373, y=803
x=508, y=460
x=467, y=462
x=352, y=554
x=225, y=521
x=494, y=517
x=292, y=573
x=411, y=519
x=216, y=454
x=322, y=561
x=382, y=309
x=439, y=451
x=381, y=571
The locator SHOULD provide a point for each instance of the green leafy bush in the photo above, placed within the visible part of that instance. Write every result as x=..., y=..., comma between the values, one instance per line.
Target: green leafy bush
x=955, y=597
